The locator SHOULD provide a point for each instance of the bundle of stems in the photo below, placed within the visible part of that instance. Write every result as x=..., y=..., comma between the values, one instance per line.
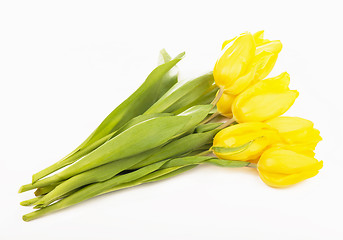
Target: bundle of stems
x=160, y=131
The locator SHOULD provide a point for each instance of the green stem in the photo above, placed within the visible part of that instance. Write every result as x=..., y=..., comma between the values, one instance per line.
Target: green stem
x=93, y=190
x=218, y=96
x=204, y=153
x=94, y=175
x=45, y=190
x=252, y=165
x=151, y=173
x=227, y=123
x=30, y=201
x=214, y=115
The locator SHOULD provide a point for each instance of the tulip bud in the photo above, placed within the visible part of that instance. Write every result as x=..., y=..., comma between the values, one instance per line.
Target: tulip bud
x=296, y=134
x=244, y=141
x=224, y=105
x=264, y=100
x=244, y=60
x=281, y=168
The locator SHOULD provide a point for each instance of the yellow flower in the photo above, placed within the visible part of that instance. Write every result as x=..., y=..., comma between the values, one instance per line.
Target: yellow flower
x=267, y=99
x=224, y=105
x=281, y=168
x=297, y=134
x=245, y=59
x=244, y=141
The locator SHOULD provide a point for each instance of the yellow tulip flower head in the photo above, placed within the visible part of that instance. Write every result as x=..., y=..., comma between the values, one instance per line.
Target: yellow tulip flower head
x=264, y=100
x=282, y=168
x=224, y=105
x=243, y=60
x=244, y=141
x=297, y=134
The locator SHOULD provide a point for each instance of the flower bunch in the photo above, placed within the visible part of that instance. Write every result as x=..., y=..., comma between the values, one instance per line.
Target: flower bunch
x=282, y=147
x=168, y=127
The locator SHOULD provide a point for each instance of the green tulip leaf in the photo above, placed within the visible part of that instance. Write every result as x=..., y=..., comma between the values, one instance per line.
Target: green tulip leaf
x=228, y=163
x=232, y=150
x=159, y=81
x=207, y=127
x=182, y=94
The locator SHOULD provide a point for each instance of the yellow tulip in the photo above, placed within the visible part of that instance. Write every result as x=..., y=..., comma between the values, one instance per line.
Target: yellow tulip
x=224, y=105
x=267, y=99
x=244, y=60
x=282, y=168
x=244, y=141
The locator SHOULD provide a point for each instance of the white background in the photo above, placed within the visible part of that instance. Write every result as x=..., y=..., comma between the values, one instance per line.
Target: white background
x=64, y=65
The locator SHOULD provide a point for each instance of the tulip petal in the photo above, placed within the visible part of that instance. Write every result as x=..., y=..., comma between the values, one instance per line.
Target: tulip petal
x=265, y=62
x=272, y=46
x=224, y=105
x=263, y=107
x=275, y=84
x=226, y=42
x=243, y=82
x=298, y=148
x=287, y=162
x=289, y=124
x=284, y=180
x=259, y=38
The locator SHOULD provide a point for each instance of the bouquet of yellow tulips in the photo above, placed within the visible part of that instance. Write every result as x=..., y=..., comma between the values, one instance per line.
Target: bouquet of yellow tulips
x=230, y=117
